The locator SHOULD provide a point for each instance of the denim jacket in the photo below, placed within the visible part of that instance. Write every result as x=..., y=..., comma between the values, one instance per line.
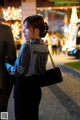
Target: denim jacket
x=31, y=60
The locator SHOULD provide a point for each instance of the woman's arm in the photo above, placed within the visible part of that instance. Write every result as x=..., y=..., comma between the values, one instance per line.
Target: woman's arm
x=22, y=62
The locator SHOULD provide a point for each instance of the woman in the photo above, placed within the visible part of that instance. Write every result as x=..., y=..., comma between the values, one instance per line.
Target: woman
x=31, y=60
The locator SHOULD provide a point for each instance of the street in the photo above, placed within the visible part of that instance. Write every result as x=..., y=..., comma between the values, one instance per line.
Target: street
x=60, y=101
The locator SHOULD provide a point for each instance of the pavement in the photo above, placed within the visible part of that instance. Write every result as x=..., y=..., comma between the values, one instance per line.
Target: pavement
x=60, y=101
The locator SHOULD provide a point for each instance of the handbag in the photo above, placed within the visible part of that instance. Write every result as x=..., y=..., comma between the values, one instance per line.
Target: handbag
x=51, y=76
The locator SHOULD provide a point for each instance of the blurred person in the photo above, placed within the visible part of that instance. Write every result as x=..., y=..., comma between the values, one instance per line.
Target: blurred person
x=64, y=44
x=59, y=47
x=31, y=60
x=7, y=52
x=54, y=43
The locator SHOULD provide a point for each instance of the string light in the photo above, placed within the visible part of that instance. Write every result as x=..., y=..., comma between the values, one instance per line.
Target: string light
x=12, y=13
x=14, y=16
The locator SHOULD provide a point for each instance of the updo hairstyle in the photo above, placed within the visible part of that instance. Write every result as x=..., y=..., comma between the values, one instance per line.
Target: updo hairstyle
x=37, y=21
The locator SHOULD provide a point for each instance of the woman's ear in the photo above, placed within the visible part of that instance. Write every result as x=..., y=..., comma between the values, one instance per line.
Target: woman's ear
x=37, y=31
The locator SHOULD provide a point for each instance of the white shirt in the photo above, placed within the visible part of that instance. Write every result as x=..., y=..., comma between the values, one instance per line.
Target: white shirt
x=54, y=40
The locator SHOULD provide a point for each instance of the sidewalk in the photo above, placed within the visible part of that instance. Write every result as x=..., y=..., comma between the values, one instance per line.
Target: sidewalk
x=61, y=59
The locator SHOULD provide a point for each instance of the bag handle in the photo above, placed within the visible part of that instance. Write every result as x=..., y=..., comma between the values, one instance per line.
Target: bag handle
x=51, y=59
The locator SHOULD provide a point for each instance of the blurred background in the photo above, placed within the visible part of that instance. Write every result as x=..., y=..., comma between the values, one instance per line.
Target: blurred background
x=63, y=18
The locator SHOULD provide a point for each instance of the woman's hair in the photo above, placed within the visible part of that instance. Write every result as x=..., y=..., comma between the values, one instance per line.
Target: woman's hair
x=37, y=21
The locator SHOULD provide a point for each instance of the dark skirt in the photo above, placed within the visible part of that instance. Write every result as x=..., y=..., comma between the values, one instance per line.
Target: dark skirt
x=27, y=96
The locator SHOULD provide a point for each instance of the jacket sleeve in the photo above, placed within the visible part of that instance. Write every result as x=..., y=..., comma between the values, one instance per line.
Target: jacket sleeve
x=22, y=62
x=10, y=46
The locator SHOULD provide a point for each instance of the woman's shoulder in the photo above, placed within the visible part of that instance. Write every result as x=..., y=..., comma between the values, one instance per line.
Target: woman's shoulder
x=24, y=46
x=39, y=47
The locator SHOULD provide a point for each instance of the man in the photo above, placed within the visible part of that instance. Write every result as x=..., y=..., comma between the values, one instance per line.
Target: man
x=7, y=52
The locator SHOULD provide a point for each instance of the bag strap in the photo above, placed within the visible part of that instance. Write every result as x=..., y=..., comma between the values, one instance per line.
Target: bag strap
x=51, y=59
